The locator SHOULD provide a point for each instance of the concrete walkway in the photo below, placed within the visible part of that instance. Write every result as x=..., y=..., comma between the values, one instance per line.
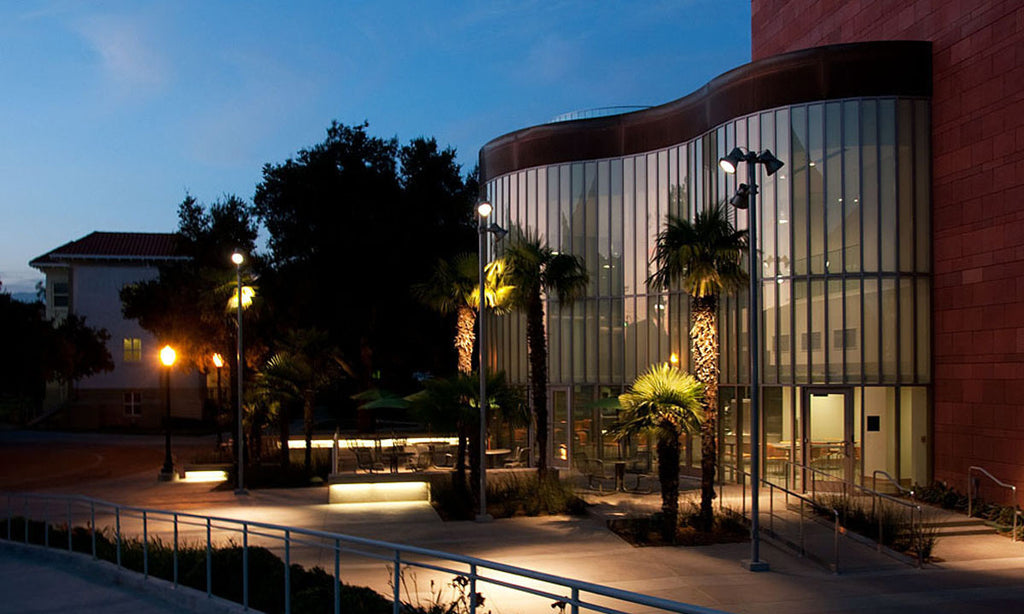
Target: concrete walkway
x=974, y=573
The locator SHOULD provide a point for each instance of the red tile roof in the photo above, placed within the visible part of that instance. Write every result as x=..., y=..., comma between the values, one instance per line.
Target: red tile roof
x=114, y=246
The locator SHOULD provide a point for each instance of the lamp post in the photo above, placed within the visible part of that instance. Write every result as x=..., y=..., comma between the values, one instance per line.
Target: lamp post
x=167, y=356
x=746, y=198
x=218, y=362
x=238, y=259
x=483, y=211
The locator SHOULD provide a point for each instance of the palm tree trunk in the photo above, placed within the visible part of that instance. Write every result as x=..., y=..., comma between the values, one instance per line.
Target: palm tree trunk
x=307, y=415
x=465, y=335
x=537, y=344
x=704, y=337
x=668, y=477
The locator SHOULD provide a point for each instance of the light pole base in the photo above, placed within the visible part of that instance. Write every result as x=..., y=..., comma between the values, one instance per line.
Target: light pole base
x=484, y=518
x=167, y=476
x=241, y=491
x=755, y=565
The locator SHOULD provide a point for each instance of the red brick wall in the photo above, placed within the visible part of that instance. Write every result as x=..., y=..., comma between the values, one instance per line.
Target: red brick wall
x=977, y=204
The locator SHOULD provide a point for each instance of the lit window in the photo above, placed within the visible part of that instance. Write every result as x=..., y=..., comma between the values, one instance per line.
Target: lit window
x=132, y=349
x=133, y=403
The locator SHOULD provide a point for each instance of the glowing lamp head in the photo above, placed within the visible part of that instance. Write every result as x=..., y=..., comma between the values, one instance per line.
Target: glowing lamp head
x=218, y=361
x=484, y=209
x=237, y=258
x=730, y=162
x=674, y=359
x=168, y=355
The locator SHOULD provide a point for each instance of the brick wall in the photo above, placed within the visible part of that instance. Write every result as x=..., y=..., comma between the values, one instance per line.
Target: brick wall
x=977, y=204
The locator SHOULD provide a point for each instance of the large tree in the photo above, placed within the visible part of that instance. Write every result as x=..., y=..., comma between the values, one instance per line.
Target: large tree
x=354, y=222
x=535, y=270
x=665, y=402
x=186, y=304
x=36, y=351
x=703, y=258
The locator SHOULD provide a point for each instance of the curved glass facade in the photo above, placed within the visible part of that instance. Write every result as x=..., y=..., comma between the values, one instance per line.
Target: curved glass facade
x=845, y=250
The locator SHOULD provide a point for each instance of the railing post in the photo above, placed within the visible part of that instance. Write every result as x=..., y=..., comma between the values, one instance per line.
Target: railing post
x=803, y=551
x=46, y=525
x=175, y=551
x=287, y=571
x=145, y=545
x=771, y=507
x=879, y=516
x=396, y=578
x=69, y=526
x=337, y=576
x=245, y=566
x=209, y=560
x=836, y=541
x=26, y=520
x=743, y=496
x=117, y=531
x=575, y=606
x=92, y=526
x=472, y=589
x=1014, y=490
x=970, y=493
x=10, y=516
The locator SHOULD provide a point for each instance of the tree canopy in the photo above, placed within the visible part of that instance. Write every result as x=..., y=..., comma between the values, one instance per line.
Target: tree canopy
x=36, y=351
x=354, y=222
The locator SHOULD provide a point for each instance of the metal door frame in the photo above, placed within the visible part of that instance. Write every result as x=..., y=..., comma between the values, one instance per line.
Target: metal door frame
x=806, y=393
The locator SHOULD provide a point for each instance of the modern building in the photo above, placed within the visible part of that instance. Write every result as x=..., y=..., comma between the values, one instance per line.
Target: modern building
x=892, y=324
x=85, y=277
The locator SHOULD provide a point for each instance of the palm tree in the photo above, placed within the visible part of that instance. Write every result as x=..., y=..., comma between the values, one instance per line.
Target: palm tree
x=307, y=365
x=703, y=258
x=454, y=402
x=534, y=270
x=665, y=402
x=454, y=286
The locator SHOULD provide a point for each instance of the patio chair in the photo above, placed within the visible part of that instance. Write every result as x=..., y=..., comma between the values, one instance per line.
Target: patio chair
x=366, y=462
x=521, y=458
x=593, y=469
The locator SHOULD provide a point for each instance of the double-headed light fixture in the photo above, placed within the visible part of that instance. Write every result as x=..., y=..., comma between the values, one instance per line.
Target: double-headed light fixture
x=483, y=212
x=746, y=198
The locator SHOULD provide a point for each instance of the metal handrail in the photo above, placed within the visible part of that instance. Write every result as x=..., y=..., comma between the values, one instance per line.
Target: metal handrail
x=970, y=497
x=892, y=480
x=917, y=529
x=479, y=570
x=771, y=513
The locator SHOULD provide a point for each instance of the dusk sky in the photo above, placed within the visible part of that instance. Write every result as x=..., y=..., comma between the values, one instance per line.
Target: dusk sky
x=111, y=111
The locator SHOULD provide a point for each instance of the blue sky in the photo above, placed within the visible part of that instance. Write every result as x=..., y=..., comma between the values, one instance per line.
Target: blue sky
x=111, y=111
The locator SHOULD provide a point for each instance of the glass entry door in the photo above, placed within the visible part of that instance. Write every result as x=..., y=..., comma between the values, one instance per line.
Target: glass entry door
x=828, y=435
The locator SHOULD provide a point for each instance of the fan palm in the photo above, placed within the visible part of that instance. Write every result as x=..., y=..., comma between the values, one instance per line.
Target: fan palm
x=665, y=402
x=703, y=258
x=454, y=403
x=534, y=270
x=307, y=365
x=454, y=286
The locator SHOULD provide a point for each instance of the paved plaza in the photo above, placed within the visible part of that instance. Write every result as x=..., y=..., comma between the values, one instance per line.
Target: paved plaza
x=973, y=573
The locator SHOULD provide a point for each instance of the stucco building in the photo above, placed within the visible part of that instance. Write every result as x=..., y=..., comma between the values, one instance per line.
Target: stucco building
x=85, y=277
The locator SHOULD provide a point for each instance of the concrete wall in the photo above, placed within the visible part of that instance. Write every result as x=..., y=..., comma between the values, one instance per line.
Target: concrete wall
x=978, y=222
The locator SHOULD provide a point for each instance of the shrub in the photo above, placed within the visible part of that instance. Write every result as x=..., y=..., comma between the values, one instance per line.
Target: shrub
x=509, y=494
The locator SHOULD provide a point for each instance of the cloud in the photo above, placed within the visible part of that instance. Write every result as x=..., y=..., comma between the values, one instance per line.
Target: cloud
x=127, y=55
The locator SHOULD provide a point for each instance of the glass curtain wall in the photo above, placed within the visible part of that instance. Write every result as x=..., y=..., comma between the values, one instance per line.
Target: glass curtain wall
x=845, y=268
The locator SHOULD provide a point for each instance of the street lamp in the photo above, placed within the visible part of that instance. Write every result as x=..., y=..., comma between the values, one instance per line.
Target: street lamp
x=484, y=210
x=746, y=197
x=238, y=259
x=167, y=356
x=218, y=362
